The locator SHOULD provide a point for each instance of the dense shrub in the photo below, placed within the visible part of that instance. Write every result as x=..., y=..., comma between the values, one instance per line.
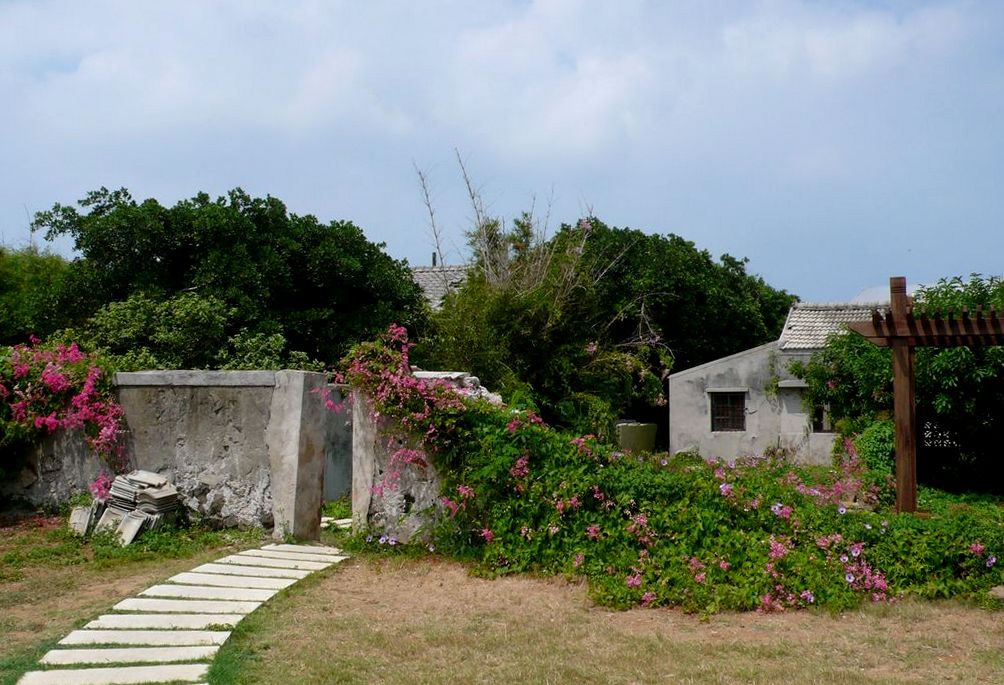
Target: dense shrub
x=587, y=323
x=757, y=534
x=46, y=387
x=236, y=263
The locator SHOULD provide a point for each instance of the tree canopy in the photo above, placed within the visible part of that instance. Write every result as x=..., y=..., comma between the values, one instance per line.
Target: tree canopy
x=246, y=263
x=587, y=324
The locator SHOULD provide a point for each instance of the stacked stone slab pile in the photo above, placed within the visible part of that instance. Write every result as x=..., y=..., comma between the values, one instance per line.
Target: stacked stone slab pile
x=135, y=500
x=171, y=631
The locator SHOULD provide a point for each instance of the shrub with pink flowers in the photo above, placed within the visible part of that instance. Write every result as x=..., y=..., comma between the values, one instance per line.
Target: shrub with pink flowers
x=47, y=387
x=754, y=534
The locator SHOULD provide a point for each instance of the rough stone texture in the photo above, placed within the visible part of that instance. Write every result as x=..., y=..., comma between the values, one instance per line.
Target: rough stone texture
x=236, y=444
x=208, y=440
x=297, y=439
x=405, y=509
x=58, y=468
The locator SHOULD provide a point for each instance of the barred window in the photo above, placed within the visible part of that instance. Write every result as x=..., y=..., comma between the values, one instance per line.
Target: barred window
x=728, y=411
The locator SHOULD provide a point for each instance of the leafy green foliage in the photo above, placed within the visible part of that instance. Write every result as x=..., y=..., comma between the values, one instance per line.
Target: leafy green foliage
x=586, y=325
x=761, y=534
x=241, y=269
x=31, y=283
x=959, y=391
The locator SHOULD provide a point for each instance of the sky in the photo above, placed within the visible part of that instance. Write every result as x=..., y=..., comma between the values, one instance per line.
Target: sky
x=832, y=143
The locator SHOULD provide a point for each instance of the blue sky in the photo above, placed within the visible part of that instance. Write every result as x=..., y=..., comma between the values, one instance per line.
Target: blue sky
x=834, y=144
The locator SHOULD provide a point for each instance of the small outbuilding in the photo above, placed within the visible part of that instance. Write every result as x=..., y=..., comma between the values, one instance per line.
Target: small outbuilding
x=750, y=403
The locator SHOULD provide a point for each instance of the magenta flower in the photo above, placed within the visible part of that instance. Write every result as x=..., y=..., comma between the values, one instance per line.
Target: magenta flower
x=725, y=489
x=977, y=549
x=488, y=535
x=593, y=532
x=647, y=598
x=633, y=580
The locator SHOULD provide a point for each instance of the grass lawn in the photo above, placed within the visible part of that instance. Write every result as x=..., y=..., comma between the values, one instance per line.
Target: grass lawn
x=52, y=582
x=396, y=620
x=379, y=619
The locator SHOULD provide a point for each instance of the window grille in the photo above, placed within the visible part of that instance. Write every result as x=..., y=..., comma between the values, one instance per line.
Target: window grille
x=728, y=411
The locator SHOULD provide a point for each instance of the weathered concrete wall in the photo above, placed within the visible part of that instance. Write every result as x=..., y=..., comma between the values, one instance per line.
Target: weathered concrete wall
x=403, y=505
x=205, y=432
x=297, y=439
x=773, y=419
x=60, y=467
x=244, y=448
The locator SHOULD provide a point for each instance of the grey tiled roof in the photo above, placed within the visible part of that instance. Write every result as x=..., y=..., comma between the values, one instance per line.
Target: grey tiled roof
x=809, y=325
x=437, y=281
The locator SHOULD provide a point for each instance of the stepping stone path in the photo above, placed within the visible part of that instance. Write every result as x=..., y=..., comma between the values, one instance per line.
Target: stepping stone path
x=328, y=521
x=171, y=632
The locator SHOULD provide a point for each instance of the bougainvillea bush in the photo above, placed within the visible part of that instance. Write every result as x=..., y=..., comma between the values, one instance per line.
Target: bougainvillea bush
x=46, y=387
x=756, y=534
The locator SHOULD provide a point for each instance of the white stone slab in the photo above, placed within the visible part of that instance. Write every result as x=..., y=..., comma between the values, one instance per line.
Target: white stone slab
x=237, y=594
x=247, y=560
x=126, y=675
x=186, y=606
x=258, y=571
x=126, y=655
x=217, y=580
x=292, y=556
x=304, y=549
x=171, y=622
x=149, y=638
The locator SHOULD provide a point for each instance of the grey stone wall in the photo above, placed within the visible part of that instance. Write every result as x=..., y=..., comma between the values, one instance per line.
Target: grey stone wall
x=58, y=468
x=404, y=506
x=244, y=448
x=205, y=432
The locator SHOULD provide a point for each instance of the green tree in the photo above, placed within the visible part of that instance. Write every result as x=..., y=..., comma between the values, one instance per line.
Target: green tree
x=263, y=270
x=587, y=324
x=959, y=390
x=31, y=284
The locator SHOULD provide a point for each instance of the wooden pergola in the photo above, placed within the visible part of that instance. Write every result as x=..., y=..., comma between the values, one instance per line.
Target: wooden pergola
x=903, y=331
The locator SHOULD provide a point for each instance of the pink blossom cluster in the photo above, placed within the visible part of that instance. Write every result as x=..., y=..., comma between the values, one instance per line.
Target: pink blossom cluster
x=58, y=388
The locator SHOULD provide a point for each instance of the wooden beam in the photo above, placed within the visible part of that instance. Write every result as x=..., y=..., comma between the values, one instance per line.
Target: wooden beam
x=904, y=406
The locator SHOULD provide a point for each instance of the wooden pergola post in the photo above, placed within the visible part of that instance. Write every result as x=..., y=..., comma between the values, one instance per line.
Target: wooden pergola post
x=902, y=330
x=904, y=403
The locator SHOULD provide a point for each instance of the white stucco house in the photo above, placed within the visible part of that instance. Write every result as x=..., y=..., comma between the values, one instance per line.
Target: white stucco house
x=743, y=404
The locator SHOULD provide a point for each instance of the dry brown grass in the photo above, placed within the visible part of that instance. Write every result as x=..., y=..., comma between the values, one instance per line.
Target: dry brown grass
x=397, y=621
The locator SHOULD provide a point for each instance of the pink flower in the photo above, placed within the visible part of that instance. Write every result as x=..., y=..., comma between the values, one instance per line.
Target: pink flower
x=633, y=580
x=521, y=468
x=488, y=535
x=579, y=558
x=724, y=565
x=593, y=532
x=977, y=549
x=700, y=577
x=466, y=491
x=647, y=598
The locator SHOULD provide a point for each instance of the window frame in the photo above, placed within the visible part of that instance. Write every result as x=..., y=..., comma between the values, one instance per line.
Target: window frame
x=727, y=409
